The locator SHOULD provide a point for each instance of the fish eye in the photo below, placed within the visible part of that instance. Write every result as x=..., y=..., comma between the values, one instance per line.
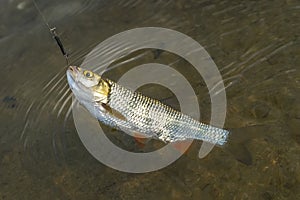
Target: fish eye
x=88, y=74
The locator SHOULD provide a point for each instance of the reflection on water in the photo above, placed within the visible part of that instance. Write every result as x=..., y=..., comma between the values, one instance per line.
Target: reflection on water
x=254, y=44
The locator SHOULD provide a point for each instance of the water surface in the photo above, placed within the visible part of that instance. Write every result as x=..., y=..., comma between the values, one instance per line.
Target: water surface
x=255, y=45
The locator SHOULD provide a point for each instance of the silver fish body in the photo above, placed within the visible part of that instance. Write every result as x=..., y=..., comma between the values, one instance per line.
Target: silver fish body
x=150, y=117
x=126, y=110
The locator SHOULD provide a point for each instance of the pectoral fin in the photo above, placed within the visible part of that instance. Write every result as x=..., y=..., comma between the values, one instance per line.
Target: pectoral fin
x=113, y=112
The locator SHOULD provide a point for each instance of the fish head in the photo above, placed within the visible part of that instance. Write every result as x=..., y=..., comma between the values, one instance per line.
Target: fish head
x=87, y=86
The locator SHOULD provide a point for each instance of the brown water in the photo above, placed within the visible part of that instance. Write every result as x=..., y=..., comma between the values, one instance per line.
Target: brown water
x=256, y=48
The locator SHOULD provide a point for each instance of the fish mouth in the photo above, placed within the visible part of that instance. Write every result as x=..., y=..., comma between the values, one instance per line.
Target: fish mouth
x=72, y=76
x=73, y=71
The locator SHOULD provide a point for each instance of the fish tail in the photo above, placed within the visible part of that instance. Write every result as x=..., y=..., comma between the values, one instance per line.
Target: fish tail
x=212, y=134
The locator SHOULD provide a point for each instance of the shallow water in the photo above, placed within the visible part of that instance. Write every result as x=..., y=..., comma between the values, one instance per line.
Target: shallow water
x=256, y=48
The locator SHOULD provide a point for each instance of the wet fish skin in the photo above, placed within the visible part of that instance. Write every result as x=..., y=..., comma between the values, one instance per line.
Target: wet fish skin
x=153, y=118
x=121, y=108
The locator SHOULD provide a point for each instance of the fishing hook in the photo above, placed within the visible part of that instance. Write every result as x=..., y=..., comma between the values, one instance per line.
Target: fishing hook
x=53, y=33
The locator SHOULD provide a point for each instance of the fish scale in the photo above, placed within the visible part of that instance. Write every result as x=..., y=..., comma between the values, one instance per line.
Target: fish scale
x=152, y=118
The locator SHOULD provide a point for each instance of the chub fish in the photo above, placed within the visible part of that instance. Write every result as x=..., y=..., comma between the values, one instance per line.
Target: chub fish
x=123, y=109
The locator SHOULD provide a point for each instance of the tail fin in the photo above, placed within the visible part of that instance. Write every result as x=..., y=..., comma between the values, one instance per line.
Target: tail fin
x=212, y=134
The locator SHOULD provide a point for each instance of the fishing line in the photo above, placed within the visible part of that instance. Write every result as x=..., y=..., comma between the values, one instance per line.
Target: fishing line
x=53, y=33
